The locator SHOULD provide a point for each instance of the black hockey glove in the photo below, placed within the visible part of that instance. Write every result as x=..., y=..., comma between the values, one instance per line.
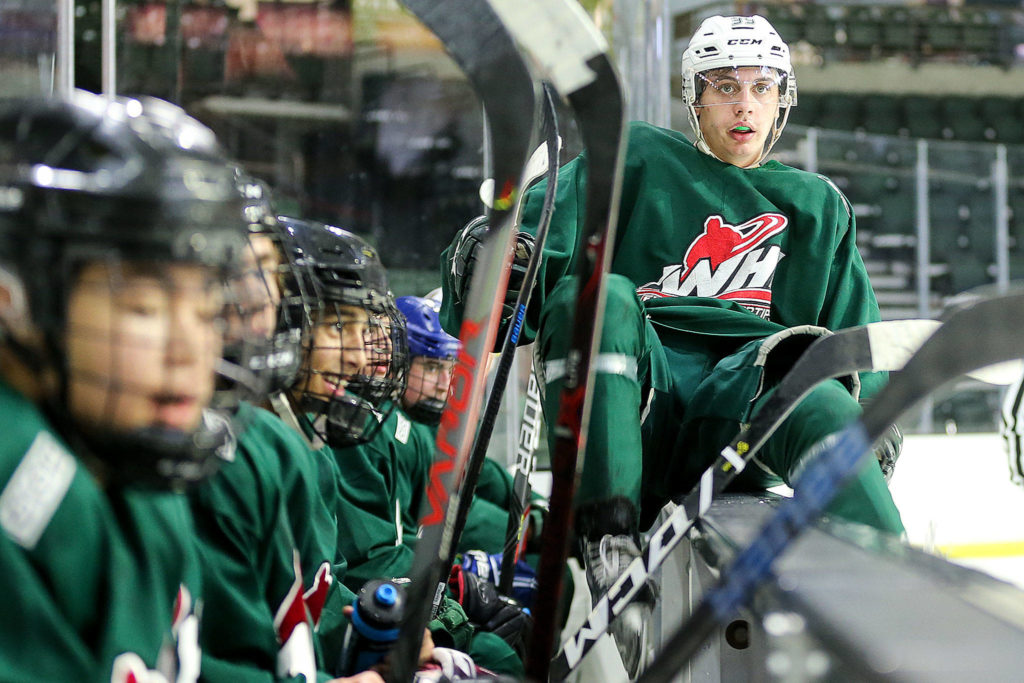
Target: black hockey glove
x=887, y=450
x=467, y=251
x=489, y=610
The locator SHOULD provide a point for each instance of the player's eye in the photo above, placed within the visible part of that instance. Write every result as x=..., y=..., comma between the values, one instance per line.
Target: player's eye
x=142, y=308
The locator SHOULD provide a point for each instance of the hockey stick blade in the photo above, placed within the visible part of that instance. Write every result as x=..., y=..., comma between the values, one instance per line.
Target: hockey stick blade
x=875, y=347
x=981, y=334
x=478, y=41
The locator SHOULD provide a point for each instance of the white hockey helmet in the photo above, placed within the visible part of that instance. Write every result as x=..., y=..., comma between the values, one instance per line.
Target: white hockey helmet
x=734, y=42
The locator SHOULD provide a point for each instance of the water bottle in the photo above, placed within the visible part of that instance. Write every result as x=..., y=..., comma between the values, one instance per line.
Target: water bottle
x=374, y=625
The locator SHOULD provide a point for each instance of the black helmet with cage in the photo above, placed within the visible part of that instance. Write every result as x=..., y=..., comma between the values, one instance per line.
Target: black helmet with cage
x=116, y=182
x=345, y=388
x=276, y=321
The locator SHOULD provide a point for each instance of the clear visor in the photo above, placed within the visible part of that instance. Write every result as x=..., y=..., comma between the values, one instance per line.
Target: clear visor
x=760, y=84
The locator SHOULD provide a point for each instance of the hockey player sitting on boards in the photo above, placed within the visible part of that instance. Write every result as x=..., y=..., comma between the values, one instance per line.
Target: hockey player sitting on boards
x=717, y=249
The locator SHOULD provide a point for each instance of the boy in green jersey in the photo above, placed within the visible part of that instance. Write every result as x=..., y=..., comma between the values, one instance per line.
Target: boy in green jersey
x=352, y=373
x=432, y=354
x=119, y=224
x=717, y=251
x=266, y=522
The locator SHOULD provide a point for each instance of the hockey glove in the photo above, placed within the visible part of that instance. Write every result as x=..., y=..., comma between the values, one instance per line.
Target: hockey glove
x=887, y=450
x=467, y=252
x=489, y=610
x=488, y=568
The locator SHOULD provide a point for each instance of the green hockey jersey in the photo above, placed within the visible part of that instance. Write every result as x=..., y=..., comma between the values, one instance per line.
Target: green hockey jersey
x=100, y=584
x=488, y=514
x=267, y=541
x=375, y=487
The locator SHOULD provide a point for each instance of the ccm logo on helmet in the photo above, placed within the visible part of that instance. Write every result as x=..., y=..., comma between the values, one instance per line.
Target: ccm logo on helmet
x=744, y=41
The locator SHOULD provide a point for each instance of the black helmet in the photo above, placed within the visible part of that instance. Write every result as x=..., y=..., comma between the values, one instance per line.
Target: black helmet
x=273, y=357
x=339, y=268
x=343, y=266
x=97, y=180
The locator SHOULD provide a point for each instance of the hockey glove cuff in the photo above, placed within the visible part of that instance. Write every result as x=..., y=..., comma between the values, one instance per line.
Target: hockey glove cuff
x=489, y=610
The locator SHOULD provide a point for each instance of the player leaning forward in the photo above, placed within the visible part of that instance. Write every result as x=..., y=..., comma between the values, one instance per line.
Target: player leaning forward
x=719, y=255
x=119, y=228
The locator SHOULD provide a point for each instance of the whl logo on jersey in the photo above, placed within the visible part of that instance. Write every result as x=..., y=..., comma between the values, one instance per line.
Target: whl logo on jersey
x=729, y=262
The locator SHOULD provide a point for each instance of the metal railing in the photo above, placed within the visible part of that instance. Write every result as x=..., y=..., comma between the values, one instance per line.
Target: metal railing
x=935, y=218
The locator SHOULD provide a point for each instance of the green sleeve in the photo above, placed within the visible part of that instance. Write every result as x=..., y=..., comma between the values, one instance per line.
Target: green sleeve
x=248, y=559
x=850, y=297
x=370, y=531
x=414, y=458
x=559, y=249
x=309, y=485
x=495, y=484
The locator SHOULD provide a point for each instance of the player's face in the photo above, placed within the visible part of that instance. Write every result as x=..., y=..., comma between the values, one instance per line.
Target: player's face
x=379, y=347
x=143, y=342
x=429, y=378
x=737, y=111
x=256, y=289
x=337, y=350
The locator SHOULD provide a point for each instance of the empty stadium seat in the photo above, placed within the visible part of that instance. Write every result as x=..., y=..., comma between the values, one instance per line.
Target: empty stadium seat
x=942, y=31
x=840, y=111
x=961, y=119
x=883, y=114
x=922, y=116
x=864, y=27
x=980, y=32
x=899, y=31
x=820, y=26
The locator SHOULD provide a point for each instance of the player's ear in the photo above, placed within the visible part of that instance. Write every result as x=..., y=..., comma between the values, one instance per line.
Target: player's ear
x=13, y=303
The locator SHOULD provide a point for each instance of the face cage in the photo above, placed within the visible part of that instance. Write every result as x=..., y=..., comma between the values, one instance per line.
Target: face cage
x=275, y=351
x=387, y=355
x=427, y=410
x=787, y=100
x=355, y=415
x=154, y=456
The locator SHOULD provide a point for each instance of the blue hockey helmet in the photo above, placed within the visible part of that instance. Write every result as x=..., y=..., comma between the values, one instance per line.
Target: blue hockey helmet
x=423, y=326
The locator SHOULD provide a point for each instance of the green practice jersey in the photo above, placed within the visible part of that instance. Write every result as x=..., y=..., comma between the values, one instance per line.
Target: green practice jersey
x=259, y=579
x=376, y=487
x=487, y=520
x=372, y=487
x=100, y=584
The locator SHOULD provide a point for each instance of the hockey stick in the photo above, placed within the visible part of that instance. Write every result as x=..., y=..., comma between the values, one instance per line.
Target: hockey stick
x=508, y=348
x=876, y=347
x=573, y=54
x=529, y=434
x=976, y=336
x=477, y=39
